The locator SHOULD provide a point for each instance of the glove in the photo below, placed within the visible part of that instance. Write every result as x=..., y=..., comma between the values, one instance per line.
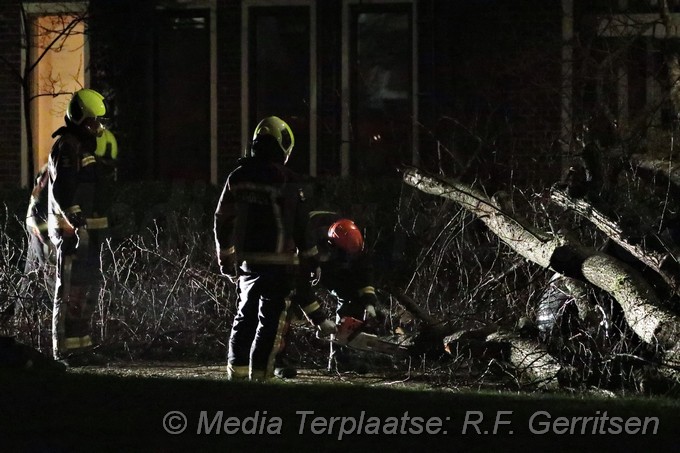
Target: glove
x=326, y=328
x=369, y=312
x=228, y=267
x=76, y=219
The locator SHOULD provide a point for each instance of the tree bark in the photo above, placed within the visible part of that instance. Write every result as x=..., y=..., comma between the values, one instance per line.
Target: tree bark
x=666, y=169
x=642, y=309
x=671, y=59
x=532, y=363
x=650, y=258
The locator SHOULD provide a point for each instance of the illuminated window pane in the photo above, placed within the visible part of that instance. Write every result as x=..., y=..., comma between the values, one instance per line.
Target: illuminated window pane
x=58, y=42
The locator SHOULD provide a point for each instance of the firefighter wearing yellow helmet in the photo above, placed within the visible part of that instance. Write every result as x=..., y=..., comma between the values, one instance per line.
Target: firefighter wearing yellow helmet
x=76, y=224
x=259, y=225
x=273, y=139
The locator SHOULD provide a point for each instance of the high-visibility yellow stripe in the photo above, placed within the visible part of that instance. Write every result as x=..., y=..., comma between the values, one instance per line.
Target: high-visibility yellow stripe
x=271, y=258
x=276, y=347
x=85, y=161
x=311, y=252
x=366, y=290
x=311, y=308
x=237, y=372
x=227, y=252
x=77, y=342
x=316, y=213
x=97, y=223
x=73, y=209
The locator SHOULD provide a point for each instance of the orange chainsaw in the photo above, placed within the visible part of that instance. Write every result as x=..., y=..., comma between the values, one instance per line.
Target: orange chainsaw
x=350, y=333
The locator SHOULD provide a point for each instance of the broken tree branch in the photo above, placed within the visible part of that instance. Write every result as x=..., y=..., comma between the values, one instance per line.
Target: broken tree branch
x=662, y=167
x=650, y=258
x=641, y=306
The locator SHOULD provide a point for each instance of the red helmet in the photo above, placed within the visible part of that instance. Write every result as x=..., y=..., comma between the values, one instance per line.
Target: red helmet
x=345, y=235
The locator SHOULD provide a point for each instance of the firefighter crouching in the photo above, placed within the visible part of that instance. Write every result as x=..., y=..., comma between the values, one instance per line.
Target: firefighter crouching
x=259, y=223
x=335, y=258
x=77, y=222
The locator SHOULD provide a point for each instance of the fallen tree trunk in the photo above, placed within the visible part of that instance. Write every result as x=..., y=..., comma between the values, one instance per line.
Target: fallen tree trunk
x=654, y=260
x=658, y=167
x=642, y=309
x=532, y=364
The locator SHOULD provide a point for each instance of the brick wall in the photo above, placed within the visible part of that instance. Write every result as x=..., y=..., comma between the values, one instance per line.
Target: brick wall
x=10, y=95
x=228, y=86
x=492, y=72
x=474, y=61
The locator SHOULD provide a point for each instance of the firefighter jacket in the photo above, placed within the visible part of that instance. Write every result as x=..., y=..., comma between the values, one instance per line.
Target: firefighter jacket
x=36, y=215
x=349, y=279
x=260, y=219
x=75, y=186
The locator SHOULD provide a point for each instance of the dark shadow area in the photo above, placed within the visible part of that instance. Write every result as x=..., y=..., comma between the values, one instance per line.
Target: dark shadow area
x=84, y=412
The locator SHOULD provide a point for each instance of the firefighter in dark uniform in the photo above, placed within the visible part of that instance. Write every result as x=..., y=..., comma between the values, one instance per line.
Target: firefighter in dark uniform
x=334, y=257
x=77, y=224
x=40, y=256
x=259, y=225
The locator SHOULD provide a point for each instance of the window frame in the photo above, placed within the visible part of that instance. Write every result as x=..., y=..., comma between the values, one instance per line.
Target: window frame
x=211, y=6
x=34, y=10
x=246, y=46
x=346, y=78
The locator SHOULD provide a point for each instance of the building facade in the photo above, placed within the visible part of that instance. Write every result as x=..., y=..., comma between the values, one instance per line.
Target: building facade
x=464, y=88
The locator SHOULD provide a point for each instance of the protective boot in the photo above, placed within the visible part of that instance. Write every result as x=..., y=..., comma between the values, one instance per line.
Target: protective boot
x=284, y=368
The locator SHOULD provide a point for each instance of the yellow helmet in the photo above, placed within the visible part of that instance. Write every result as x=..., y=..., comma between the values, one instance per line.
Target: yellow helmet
x=85, y=104
x=107, y=146
x=85, y=109
x=275, y=127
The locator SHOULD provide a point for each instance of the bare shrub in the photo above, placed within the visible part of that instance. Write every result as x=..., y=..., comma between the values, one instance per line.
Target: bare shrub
x=25, y=302
x=162, y=294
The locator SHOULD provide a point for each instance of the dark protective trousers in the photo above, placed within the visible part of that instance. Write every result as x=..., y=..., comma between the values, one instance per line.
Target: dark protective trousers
x=39, y=268
x=77, y=286
x=259, y=325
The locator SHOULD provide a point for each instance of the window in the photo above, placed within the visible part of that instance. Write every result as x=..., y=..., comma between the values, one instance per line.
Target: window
x=278, y=61
x=379, y=83
x=56, y=58
x=375, y=78
x=183, y=93
x=629, y=77
x=381, y=89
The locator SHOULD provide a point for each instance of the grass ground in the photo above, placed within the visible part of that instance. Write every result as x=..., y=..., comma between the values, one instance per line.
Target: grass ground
x=124, y=409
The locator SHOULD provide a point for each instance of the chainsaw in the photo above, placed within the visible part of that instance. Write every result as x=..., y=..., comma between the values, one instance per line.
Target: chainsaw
x=350, y=333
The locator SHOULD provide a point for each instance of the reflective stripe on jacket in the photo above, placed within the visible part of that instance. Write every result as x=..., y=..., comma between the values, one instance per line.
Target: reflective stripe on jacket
x=261, y=215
